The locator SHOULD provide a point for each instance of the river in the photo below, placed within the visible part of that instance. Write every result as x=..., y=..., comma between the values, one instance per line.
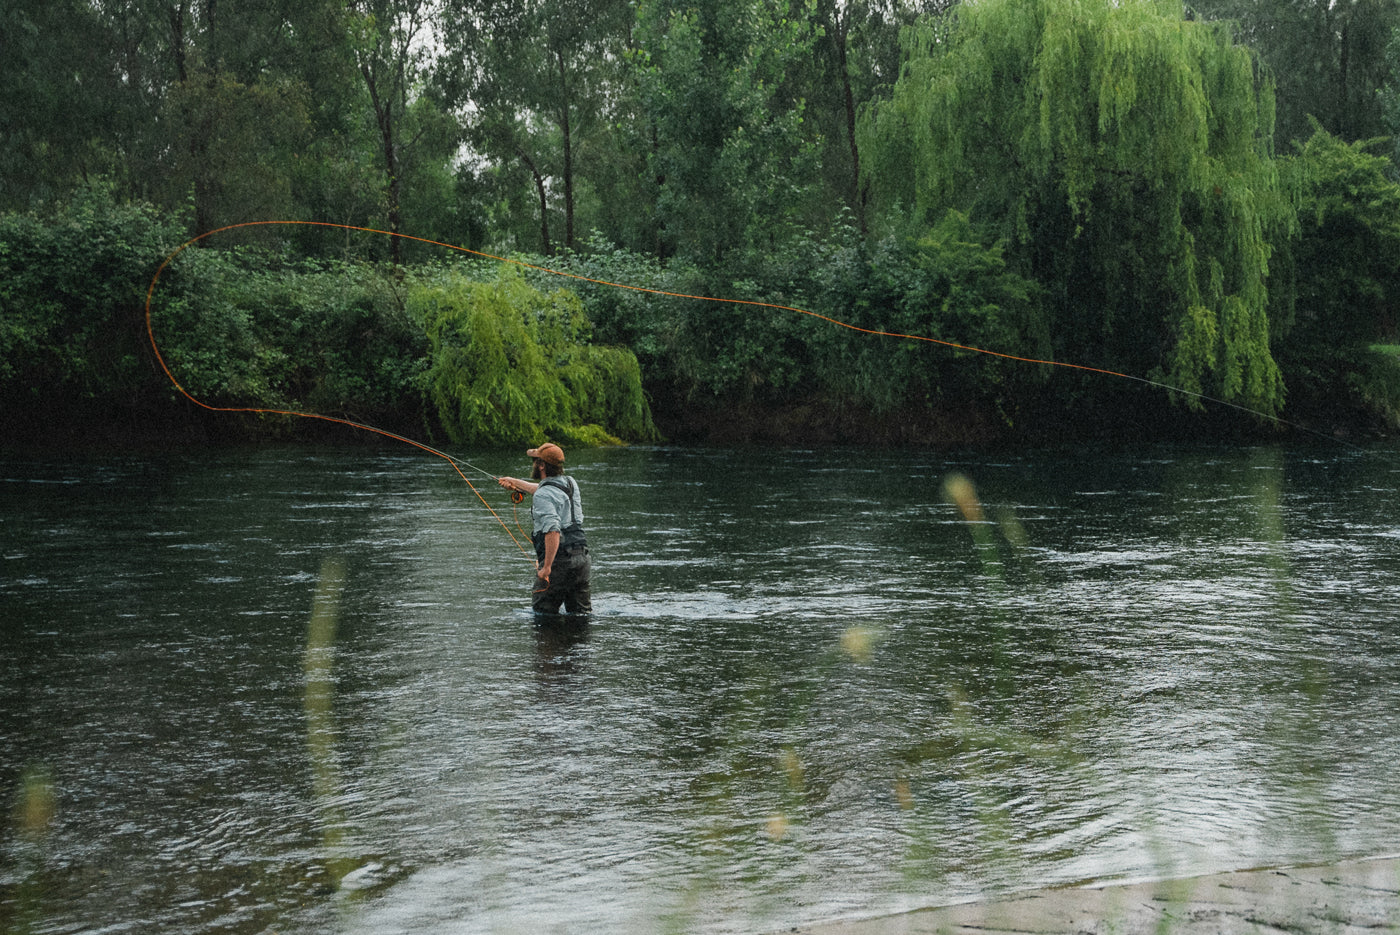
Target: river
x=297, y=689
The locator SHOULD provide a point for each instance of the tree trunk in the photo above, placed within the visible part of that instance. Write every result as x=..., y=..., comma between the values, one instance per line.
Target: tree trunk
x=856, y=196
x=547, y=248
x=384, y=117
x=568, y=152
x=1344, y=118
x=177, y=42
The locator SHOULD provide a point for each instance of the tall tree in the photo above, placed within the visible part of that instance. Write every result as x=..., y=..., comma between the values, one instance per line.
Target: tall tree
x=1390, y=99
x=392, y=48
x=1327, y=56
x=732, y=157
x=212, y=105
x=72, y=98
x=537, y=79
x=1124, y=153
x=237, y=110
x=857, y=58
x=234, y=147
x=1346, y=260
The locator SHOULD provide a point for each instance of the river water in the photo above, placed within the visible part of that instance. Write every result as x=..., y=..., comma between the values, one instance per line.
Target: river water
x=296, y=690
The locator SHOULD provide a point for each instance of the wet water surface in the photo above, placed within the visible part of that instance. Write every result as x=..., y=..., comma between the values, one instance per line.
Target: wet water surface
x=297, y=690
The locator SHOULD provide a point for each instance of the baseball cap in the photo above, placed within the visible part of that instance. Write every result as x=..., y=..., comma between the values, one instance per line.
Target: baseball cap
x=549, y=453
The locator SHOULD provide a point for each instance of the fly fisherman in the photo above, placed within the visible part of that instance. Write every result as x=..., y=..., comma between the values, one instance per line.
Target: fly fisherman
x=556, y=513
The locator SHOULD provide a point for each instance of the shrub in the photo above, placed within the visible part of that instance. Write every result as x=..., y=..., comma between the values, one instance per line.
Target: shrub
x=510, y=364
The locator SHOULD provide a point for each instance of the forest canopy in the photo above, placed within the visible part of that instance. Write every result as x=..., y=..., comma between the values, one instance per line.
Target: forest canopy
x=1200, y=196
x=1124, y=156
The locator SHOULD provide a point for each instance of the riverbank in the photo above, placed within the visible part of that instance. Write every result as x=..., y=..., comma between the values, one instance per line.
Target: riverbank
x=1348, y=897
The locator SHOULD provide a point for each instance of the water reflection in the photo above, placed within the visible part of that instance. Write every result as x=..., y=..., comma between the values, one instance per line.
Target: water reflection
x=559, y=646
x=35, y=807
x=326, y=782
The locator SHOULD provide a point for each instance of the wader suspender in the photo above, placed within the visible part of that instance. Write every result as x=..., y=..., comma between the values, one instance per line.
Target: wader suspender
x=571, y=536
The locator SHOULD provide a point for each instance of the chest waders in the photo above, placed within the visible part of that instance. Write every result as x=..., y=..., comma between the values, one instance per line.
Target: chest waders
x=571, y=537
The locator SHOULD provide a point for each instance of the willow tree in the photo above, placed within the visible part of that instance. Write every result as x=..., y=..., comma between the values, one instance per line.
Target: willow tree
x=509, y=362
x=1123, y=153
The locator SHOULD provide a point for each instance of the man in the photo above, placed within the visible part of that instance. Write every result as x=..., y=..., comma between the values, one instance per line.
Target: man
x=563, y=572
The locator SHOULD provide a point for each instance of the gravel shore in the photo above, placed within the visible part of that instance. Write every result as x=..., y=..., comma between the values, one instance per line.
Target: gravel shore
x=1348, y=898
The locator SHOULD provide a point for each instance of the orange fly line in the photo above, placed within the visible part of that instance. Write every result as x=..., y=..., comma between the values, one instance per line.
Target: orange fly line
x=160, y=358
x=150, y=292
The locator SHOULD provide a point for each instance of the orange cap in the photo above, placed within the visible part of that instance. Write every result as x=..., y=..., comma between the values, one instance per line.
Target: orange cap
x=548, y=452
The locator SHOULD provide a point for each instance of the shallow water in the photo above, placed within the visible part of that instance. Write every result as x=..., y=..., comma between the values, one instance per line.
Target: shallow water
x=811, y=690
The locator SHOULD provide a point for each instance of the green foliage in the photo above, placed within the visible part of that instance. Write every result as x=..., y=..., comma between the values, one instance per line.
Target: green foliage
x=1390, y=97
x=647, y=323
x=511, y=364
x=1086, y=180
x=231, y=145
x=208, y=339
x=944, y=285
x=244, y=328
x=413, y=136
x=1347, y=270
x=732, y=152
x=856, y=60
x=1124, y=153
x=690, y=348
x=72, y=287
x=1374, y=381
x=1329, y=59
x=63, y=104
x=1349, y=249
x=540, y=79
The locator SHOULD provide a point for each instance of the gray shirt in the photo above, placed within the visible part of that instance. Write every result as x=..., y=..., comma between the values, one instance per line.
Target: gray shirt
x=550, y=509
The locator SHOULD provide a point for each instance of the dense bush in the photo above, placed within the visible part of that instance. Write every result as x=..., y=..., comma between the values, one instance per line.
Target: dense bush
x=251, y=328
x=72, y=287
x=486, y=354
x=330, y=338
x=1345, y=267
x=945, y=285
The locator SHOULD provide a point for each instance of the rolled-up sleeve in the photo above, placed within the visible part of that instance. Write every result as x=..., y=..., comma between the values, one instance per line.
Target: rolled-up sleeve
x=548, y=509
